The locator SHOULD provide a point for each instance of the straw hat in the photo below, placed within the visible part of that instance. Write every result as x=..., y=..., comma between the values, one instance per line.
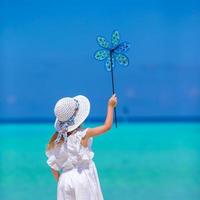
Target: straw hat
x=74, y=109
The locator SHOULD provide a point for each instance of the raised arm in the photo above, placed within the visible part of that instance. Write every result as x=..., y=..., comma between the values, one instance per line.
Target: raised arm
x=91, y=132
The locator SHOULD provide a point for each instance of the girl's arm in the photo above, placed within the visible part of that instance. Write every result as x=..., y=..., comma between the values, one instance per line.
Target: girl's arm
x=91, y=132
x=55, y=174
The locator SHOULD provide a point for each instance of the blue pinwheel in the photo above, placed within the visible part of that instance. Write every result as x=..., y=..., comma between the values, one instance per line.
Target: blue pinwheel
x=111, y=53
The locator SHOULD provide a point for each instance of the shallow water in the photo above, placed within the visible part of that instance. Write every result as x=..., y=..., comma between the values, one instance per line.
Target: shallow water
x=135, y=161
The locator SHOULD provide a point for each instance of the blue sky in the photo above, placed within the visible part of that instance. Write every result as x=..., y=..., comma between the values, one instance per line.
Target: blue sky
x=47, y=50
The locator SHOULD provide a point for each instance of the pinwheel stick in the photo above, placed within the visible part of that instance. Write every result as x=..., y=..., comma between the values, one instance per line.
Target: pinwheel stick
x=113, y=85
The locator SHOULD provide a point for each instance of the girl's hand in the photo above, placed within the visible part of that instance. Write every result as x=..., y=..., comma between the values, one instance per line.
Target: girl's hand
x=91, y=132
x=112, y=101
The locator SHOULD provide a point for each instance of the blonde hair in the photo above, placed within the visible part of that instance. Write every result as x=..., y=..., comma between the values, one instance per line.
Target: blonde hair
x=51, y=143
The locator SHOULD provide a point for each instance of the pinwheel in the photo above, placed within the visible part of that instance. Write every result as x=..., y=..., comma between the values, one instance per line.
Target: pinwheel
x=112, y=53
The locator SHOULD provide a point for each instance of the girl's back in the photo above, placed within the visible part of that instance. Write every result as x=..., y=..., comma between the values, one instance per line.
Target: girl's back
x=79, y=178
x=70, y=153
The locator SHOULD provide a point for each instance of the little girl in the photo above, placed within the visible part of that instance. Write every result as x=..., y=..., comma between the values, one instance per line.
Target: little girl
x=69, y=149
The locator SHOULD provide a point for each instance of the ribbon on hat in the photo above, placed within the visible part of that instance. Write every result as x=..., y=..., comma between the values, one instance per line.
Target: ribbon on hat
x=62, y=127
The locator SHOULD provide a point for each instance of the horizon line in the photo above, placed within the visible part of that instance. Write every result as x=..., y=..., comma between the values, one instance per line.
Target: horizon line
x=156, y=119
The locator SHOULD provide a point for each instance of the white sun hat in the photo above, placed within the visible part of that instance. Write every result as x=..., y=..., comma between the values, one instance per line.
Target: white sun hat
x=72, y=111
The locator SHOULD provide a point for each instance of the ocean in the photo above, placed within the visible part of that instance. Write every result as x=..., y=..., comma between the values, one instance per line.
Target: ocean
x=136, y=161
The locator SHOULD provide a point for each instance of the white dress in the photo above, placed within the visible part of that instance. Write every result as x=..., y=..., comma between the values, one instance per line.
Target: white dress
x=79, y=179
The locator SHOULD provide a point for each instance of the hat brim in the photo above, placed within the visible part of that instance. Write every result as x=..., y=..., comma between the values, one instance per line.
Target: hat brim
x=82, y=113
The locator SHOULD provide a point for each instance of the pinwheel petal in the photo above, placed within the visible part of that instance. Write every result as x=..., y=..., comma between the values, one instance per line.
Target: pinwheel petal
x=101, y=54
x=122, y=59
x=102, y=42
x=123, y=47
x=115, y=38
x=109, y=64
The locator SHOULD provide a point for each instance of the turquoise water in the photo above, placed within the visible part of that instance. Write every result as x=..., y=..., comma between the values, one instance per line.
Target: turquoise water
x=134, y=161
